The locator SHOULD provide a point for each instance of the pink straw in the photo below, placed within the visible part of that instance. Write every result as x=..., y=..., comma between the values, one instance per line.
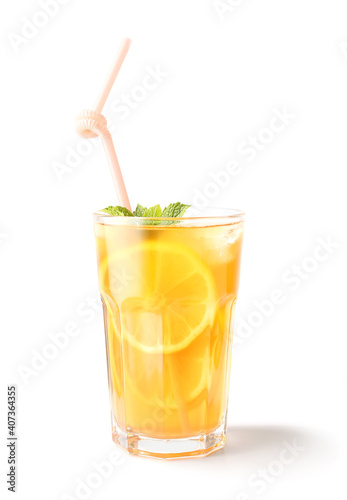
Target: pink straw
x=91, y=123
x=117, y=64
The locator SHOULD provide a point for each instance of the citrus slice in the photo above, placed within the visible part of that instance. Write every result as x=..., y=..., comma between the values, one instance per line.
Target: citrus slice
x=165, y=294
x=148, y=378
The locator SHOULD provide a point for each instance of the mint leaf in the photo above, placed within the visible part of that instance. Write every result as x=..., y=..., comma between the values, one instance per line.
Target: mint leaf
x=139, y=211
x=152, y=212
x=118, y=211
x=175, y=210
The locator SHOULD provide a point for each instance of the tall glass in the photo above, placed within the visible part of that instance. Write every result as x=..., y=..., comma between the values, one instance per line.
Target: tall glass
x=169, y=288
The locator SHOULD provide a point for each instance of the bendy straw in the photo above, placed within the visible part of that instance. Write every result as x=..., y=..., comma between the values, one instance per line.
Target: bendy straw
x=91, y=123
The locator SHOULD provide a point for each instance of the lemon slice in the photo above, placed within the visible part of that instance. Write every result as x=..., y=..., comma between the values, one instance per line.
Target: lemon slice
x=148, y=378
x=165, y=294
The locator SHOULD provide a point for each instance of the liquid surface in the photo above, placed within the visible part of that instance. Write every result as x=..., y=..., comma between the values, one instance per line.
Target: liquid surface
x=168, y=295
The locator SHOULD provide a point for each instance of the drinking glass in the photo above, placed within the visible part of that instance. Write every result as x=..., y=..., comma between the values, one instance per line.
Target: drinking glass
x=168, y=288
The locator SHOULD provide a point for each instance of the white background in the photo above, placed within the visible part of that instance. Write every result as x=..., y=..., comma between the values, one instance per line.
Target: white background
x=227, y=74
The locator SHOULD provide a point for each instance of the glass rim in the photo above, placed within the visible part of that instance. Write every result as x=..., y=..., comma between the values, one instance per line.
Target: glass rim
x=225, y=216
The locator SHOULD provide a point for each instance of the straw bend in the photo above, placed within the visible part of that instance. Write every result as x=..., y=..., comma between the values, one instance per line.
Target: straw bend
x=90, y=124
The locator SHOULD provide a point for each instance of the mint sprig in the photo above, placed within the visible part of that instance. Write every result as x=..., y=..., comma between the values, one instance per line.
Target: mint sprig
x=174, y=210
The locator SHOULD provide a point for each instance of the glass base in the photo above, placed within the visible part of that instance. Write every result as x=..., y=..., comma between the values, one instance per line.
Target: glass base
x=195, y=446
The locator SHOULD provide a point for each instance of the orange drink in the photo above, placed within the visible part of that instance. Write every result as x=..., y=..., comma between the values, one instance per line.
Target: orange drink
x=169, y=288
